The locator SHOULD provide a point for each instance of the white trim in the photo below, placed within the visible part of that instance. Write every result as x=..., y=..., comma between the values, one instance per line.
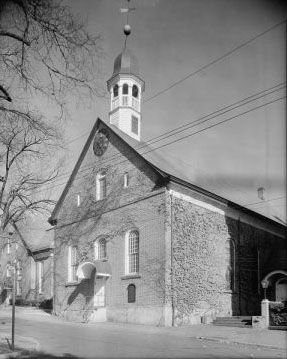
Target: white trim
x=40, y=266
x=127, y=267
x=231, y=213
x=197, y=202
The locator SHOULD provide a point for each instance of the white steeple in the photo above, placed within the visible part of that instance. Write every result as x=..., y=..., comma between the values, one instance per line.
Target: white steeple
x=126, y=87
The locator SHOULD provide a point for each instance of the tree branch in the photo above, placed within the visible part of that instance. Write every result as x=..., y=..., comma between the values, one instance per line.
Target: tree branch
x=16, y=37
x=6, y=94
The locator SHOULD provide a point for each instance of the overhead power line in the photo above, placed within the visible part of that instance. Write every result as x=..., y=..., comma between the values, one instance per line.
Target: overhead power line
x=196, y=122
x=202, y=68
x=214, y=61
x=263, y=201
x=176, y=140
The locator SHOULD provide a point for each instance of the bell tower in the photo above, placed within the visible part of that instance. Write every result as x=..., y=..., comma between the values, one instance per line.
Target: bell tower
x=125, y=88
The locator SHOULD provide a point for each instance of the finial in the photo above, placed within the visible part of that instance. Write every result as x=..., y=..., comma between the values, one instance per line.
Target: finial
x=127, y=28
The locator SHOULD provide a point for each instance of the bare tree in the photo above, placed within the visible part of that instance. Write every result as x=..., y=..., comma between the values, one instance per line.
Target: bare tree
x=46, y=56
x=45, y=50
x=25, y=149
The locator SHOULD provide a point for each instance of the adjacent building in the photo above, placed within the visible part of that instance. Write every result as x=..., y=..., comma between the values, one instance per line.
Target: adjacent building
x=29, y=254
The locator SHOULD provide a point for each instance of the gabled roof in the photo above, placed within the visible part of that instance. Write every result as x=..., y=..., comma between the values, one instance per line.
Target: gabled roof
x=170, y=171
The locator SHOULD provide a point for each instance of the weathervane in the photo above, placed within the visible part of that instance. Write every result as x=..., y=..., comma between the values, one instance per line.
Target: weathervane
x=127, y=28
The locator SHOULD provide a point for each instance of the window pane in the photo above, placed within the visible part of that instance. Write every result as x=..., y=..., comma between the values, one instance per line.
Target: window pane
x=102, y=189
x=135, y=125
x=116, y=90
x=135, y=91
x=133, y=252
x=125, y=89
x=131, y=293
x=102, y=249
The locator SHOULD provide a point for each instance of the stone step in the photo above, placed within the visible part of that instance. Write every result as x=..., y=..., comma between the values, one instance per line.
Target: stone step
x=236, y=321
x=278, y=327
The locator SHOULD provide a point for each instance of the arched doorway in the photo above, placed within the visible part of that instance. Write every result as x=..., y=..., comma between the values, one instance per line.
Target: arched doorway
x=275, y=286
x=97, y=271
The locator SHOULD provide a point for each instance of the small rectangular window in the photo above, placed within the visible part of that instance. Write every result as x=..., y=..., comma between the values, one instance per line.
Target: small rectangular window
x=101, y=186
x=73, y=264
x=40, y=276
x=126, y=180
x=8, y=246
x=131, y=293
x=135, y=125
x=19, y=287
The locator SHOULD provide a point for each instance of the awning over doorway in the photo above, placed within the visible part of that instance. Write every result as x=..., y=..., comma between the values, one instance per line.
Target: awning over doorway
x=103, y=269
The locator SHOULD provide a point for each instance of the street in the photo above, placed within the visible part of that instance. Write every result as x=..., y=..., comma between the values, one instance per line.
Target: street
x=111, y=340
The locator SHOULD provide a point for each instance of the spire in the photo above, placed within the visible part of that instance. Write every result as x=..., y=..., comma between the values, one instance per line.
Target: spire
x=126, y=87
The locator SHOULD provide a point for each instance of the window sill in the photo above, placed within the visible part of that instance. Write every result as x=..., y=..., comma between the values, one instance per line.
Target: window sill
x=131, y=276
x=71, y=284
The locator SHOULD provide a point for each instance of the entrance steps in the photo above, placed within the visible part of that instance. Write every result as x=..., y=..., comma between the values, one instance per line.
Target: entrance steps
x=236, y=321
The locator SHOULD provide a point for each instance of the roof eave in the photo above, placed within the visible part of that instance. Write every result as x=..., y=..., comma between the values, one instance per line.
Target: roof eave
x=226, y=202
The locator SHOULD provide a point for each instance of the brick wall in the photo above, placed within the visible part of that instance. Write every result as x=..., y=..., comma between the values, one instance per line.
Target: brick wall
x=139, y=206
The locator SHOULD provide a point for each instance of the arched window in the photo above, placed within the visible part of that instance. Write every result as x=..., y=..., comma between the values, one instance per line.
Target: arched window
x=132, y=252
x=131, y=293
x=116, y=91
x=125, y=89
x=100, y=247
x=101, y=185
x=135, y=91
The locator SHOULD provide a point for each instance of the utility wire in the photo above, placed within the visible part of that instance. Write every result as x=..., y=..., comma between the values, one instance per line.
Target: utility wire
x=263, y=201
x=176, y=140
x=196, y=122
x=214, y=61
x=203, y=67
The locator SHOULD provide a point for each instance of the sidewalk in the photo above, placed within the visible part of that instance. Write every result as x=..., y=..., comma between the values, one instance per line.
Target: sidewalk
x=269, y=339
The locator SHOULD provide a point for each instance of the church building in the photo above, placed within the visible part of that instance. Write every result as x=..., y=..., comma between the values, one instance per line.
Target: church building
x=138, y=242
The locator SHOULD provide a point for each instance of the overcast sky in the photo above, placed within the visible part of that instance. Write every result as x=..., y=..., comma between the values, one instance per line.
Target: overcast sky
x=172, y=40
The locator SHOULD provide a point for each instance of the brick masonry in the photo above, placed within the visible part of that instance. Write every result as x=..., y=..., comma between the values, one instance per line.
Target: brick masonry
x=195, y=261
x=139, y=206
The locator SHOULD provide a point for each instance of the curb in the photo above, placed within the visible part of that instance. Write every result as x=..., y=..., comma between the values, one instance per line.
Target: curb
x=221, y=340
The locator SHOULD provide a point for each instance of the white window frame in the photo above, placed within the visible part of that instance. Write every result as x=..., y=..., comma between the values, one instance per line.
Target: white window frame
x=101, y=180
x=8, y=246
x=40, y=271
x=128, y=253
x=8, y=270
x=126, y=180
x=97, y=248
x=19, y=279
x=72, y=267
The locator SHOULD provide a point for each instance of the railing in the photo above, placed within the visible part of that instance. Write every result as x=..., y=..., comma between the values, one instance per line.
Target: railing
x=135, y=104
x=115, y=103
x=125, y=100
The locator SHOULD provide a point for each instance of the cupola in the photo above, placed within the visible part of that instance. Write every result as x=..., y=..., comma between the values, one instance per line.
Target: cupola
x=125, y=88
